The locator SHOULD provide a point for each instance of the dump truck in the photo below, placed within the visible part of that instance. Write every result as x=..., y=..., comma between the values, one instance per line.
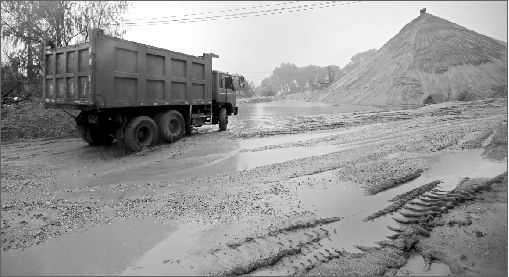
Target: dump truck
x=136, y=94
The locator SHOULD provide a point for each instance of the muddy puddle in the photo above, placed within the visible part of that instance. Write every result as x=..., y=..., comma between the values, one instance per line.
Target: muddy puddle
x=258, y=152
x=132, y=247
x=156, y=172
x=347, y=201
x=251, y=153
x=416, y=266
x=244, y=158
x=452, y=168
x=295, y=107
x=253, y=143
x=261, y=115
x=140, y=247
x=249, y=160
x=326, y=198
x=235, y=160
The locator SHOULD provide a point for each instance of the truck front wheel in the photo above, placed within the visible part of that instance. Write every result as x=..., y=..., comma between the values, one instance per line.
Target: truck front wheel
x=223, y=119
x=170, y=125
x=94, y=136
x=140, y=132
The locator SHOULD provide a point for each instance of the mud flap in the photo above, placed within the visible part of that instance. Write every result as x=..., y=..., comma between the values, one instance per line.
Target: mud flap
x=187, y=119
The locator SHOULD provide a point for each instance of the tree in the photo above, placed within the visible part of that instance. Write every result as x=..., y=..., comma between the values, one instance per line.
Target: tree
x=25, y=24
x=11, y=78
x=357, y=59
x=288, y=78
x=249, y=89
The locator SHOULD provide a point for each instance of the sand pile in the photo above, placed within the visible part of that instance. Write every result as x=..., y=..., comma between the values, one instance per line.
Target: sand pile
x=430, y=55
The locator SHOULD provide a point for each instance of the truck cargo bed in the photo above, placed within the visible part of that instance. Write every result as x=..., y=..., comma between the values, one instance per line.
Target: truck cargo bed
x=109, y=72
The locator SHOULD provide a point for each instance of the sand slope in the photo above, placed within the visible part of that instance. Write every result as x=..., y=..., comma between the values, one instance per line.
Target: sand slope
x=430, y=55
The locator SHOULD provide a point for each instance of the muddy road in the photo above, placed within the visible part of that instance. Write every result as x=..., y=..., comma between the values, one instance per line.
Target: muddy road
x=288, y=189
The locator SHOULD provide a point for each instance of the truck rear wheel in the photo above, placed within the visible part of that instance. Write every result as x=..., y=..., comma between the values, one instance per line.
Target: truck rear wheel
x=170, y=125
x=94, y=136
x=223, y=119
x=140, y=132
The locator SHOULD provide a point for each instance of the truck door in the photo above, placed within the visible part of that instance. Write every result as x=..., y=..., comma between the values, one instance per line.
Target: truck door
x=218, y=86
x=214, y=85
x=221, y=95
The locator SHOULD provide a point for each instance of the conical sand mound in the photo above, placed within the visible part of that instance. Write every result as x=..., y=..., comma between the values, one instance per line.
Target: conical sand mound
x=430, y=55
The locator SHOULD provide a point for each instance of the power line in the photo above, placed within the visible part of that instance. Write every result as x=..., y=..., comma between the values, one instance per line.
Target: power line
x=265, y=72
x=219, y=16
x=237, y=15
x=221, y=11
x=247, y=14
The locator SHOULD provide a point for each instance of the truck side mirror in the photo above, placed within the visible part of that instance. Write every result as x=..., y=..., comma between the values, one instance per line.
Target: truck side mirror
x=241, y=81
x=238, y=82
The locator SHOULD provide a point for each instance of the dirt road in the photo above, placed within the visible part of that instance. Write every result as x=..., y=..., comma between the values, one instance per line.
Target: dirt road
x=302, y=192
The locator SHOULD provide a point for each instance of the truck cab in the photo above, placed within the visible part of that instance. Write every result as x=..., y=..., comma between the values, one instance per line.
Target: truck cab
x=224, y=87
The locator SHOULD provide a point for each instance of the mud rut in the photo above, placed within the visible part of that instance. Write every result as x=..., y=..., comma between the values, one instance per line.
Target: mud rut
x=298, y=248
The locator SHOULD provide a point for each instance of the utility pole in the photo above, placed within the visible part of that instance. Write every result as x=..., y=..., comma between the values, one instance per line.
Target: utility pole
x=331, y=78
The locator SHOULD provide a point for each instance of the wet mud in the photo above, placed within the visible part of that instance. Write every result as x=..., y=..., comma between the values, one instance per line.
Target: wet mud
x=358, y=192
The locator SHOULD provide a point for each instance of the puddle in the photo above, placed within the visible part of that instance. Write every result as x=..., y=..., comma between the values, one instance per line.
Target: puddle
x=169, y=256
x=250, y=160
x=262, y=115
x=253, y=143
x=350, y=203
x=259, y=122
x=158, y=171
x=103, y=250
x=451, y=169
x=140, y=247
x=415, y=266
x=240, y=159
x=336, y=199
x=295, y=108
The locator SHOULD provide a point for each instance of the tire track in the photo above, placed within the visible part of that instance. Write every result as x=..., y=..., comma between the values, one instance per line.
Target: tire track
x=300, y=245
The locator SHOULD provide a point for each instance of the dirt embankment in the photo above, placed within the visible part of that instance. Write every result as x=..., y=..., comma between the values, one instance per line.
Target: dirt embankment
x=30, y=120
x=497, y=147
x=430, y=55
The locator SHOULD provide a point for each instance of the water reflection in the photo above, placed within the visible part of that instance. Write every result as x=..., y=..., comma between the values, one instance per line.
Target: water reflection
x=103, y=250
x=293, y=107
x=330, y=198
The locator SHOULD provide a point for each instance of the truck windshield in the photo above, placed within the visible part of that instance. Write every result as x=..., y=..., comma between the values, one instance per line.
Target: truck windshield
x=229, y=82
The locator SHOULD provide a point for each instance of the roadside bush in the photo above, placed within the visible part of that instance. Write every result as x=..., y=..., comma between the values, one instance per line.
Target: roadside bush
x=434, y=98
x=467, y=96
x=498, y=91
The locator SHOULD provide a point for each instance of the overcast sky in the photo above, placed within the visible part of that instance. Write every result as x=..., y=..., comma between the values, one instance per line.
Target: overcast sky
x=328, y=34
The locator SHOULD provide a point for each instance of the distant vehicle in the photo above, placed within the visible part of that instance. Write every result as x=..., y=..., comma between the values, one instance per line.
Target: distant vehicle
x=134, y=93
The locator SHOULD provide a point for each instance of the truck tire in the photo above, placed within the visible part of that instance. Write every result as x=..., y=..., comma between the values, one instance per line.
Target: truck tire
x=223, y=119
x=94, y=136
x=171, y=126
x=140, y=132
